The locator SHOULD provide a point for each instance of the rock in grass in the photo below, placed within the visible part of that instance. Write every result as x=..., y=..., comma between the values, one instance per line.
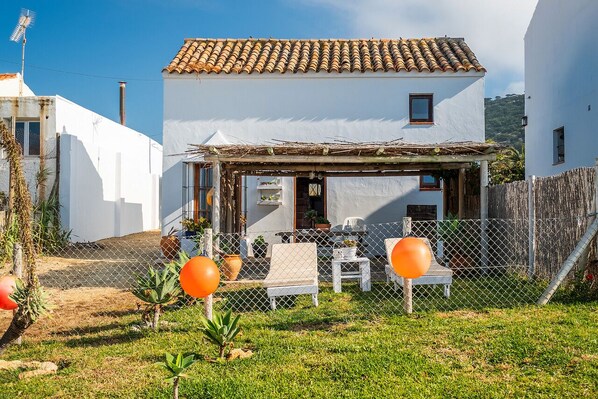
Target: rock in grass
x=239, y=354
x=33, y=368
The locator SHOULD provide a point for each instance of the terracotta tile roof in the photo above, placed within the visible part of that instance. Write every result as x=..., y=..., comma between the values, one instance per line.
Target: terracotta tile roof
x=6, y=76
x=323, y=55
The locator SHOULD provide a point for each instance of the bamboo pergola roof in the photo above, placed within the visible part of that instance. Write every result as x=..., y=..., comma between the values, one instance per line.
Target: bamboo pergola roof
x=344, y=158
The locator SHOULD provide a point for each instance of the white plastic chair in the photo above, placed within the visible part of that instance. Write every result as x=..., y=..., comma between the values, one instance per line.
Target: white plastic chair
x=354, y=224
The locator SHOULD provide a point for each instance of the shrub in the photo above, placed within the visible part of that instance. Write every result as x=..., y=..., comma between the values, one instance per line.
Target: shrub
x=221, y=330
x=157, y=289
x=176, y=366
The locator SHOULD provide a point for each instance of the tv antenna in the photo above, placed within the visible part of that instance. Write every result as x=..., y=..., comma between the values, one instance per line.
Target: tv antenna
x=25, y=21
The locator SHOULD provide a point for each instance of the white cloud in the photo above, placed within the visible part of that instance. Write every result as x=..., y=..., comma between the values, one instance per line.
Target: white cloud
x=514, y=88
x=494, y=29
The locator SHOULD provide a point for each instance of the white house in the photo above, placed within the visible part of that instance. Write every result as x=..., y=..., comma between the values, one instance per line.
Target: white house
x=258, y=90
x=561, y=86
x=106, y=176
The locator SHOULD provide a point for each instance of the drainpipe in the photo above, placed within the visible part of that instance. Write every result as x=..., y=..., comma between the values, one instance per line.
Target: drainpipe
x=123, y=116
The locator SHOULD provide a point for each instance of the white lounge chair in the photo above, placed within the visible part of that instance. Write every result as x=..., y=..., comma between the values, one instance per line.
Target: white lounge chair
x=436, y=275
x=293, y=271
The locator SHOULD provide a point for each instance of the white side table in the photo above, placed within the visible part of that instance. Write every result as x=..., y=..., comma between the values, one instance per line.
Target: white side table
x=363, y=275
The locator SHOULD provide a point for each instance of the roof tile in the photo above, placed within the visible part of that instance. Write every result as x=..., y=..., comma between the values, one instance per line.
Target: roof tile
x=324, y=55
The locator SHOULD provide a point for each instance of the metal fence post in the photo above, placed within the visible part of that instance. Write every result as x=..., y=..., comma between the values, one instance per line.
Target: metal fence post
x=17, y=269
x=531, y=204
x=484, y=213
x=407, y=283
x=208, y=248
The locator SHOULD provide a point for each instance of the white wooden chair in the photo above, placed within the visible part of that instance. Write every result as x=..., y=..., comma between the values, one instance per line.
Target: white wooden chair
x=436, y=275
x=293, y=271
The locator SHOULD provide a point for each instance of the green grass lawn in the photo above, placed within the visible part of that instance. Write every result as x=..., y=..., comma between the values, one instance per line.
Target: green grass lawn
x=304, y=352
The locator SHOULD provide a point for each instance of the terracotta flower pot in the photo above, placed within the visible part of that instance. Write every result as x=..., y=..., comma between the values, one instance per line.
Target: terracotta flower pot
x=323, y=227
x=232, y=266
x=170, y=246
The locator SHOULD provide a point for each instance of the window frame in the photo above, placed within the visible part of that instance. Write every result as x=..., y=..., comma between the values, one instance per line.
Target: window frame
x=558, y=157
x=25, y=148
x=430, y=119
x=436, y=186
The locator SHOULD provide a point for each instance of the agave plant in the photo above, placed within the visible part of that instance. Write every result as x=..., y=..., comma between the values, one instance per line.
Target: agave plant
x=221, y=330
x=33, y=300
x=176, y=366
x=158, y=288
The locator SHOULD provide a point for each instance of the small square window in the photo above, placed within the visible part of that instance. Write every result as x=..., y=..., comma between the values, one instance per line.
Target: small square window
x=421, y=108
x=28, y=135
x=429, y=183
x=558, y=140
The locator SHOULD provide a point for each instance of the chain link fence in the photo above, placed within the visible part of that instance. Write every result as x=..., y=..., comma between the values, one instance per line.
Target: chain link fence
x=477, y=264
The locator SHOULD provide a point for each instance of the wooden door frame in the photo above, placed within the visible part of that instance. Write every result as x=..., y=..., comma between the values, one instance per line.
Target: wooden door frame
x=325, y=189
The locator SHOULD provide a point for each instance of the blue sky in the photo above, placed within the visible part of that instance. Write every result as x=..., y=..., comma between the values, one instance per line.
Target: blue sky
x=81, y=49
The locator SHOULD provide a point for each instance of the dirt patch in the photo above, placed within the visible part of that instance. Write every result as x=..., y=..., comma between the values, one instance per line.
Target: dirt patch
x=89, y=285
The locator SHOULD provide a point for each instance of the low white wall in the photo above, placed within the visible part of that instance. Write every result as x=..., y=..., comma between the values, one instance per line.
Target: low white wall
x=109, y=175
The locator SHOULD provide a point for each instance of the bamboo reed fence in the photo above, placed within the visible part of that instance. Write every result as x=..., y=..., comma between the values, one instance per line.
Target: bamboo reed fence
x=567, y=198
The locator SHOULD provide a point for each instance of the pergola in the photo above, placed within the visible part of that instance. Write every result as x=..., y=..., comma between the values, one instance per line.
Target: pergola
x=339, y=159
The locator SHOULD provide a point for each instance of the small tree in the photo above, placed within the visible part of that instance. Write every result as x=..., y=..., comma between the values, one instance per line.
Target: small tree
x=221, y=330
x=28, y=295
x=157, y=289
x=508, y=167
x=176, y=366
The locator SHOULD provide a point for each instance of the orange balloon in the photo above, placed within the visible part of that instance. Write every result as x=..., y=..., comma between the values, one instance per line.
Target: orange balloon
x=7, y=287
x=411, y=257
x=199, y=277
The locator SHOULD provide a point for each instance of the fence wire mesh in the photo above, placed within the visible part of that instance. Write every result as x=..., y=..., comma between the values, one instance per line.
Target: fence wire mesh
x=477, y=264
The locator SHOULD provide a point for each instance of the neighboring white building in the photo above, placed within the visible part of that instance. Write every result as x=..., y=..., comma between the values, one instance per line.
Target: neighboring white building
x=561, y=86
x=259, y=90
x=9, y=85
x=107, y=176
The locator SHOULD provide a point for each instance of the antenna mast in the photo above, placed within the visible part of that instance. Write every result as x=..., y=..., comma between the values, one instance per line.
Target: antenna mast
x=25, y=21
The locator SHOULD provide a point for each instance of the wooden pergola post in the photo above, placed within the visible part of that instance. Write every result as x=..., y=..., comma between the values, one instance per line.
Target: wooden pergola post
x=461, y=193
x=216, y=203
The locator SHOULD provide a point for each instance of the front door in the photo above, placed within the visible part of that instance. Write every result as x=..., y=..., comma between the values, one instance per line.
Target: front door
x=309, y=194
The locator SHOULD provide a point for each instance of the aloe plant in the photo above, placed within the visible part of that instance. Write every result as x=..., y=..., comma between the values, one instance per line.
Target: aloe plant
x=176, y=366
x=158, y=288
x=221, y=330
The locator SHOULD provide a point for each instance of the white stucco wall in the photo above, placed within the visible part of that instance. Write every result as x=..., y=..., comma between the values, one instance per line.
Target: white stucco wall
x=109, y=175
x=561, y=84
x=9, y=85
x=317, y=107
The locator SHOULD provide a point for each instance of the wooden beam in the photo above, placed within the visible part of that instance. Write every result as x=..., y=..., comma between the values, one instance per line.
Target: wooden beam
x=337, y=174
x=342, y=167
x=332, y=159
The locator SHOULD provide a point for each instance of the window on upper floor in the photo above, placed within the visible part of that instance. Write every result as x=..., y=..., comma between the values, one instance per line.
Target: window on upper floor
x=558, y=144
x=421, y=108
x=28, y=136
x=429, y=183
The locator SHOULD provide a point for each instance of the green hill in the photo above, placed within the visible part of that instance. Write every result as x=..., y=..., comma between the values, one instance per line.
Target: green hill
x=503, y=119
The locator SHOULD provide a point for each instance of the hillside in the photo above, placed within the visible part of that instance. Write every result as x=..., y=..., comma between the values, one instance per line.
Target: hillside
x=503, y=119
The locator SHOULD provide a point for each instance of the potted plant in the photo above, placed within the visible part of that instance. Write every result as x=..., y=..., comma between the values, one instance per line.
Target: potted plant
x=347, y=250
x=170, y=245
x=458, y=249
x=311, y=215
x=323, y=224
x=193, y=228
x=232, y=261
x=260, y=247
